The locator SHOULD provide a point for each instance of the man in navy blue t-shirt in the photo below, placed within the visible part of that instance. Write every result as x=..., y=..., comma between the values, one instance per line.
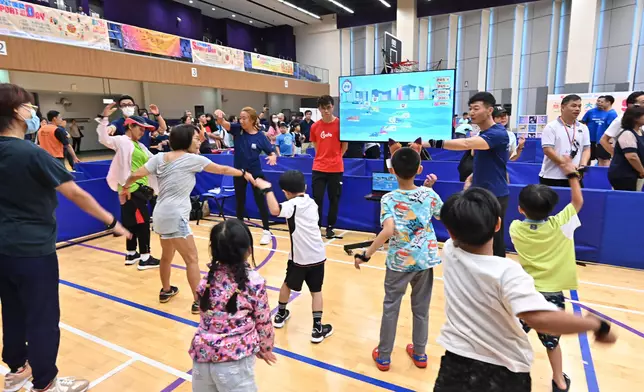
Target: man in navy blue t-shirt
x=490, y=157
x=129, y=109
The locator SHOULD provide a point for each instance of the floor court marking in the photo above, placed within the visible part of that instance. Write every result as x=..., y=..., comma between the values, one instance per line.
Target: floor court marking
x=330, y=242
x=111, y=373
x=187, y=377
x=609, y=319
x=586, y=354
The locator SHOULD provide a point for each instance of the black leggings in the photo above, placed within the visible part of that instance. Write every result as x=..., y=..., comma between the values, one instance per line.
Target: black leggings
x=623, y=184
x=332, y=184
x=135, y=217
x=76, y=142
x=499, y=236
x=240, y=195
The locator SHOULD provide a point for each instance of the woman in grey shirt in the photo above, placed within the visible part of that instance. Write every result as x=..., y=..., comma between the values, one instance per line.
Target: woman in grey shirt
x=175, y=172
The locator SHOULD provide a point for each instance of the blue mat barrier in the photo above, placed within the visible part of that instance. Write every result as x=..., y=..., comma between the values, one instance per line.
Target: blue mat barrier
x=75, y=223
x=611, y=220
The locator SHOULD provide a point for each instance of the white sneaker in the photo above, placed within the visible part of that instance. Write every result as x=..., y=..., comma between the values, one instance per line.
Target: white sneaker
x=266, y=238
x=67, y=384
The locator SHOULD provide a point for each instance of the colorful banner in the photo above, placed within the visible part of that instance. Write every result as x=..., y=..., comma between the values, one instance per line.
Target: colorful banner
x=149, y=41
x=218, y=56
x=271, y=64
x=553, y=105
x=49, y=24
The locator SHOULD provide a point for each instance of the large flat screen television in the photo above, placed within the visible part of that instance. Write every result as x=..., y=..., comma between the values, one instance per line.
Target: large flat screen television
x=400, y=106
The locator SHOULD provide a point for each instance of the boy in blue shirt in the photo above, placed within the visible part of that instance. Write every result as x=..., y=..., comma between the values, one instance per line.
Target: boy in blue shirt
x=284, y=142
x=406, y=217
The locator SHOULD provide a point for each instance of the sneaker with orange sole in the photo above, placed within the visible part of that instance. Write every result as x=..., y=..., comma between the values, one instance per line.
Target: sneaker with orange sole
x=419, y=360
x=382, y=364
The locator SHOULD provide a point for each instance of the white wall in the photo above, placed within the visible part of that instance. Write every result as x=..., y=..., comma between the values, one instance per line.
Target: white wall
x=174, y=100
x=84, y=106
x=312, y=40
x=76, y=84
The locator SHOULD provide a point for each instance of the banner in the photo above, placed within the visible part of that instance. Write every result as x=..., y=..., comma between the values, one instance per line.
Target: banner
x=49, y=24
x=218, y=56
x=271, y=64
x=553, y=109
x=531, y=126
x=149, y=41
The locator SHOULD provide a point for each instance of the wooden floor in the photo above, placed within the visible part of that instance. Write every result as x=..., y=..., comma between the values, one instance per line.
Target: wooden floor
x=117, y=334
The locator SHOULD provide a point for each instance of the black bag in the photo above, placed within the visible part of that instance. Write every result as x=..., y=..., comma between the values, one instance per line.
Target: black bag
x=144, y=192
x=465, y=166
x=196, y=212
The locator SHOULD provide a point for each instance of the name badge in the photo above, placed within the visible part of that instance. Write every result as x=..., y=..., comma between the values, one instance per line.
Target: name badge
x=253, y=146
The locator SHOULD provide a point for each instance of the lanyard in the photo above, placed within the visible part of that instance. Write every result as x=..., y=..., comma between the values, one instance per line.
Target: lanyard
x=571, y=139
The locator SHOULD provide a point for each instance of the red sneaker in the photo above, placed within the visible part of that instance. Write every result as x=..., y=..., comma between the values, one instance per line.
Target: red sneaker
x=419, y=360
x=381, y=364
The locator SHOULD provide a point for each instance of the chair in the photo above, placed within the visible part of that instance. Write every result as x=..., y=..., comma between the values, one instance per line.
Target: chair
x=227, y=190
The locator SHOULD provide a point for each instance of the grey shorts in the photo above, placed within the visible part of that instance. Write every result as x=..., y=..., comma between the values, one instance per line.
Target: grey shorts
x=183, y=231
x=233, y=376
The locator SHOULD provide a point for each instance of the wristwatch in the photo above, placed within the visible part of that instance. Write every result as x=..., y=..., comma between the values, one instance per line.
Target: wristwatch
x=363, y=257
x=604, y=329
x=243, y=172
x=112, y=225
x=267, y=191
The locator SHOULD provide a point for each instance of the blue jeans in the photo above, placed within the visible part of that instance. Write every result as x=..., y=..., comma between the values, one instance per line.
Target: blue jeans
x=30, y=314
x=233, y=376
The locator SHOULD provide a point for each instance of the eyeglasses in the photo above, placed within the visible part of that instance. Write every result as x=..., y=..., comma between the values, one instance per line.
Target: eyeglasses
x=30, y=106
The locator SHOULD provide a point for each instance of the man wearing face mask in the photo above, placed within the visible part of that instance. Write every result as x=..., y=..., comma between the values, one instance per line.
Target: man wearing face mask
x=128, y=109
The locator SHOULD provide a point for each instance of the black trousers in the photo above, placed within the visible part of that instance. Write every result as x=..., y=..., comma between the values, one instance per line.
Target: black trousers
x=556, y=182
x=623, y=184
x=76, y=142
x=499, y=236
x=135, y=216
x=332, y=184
x=30, y=315
x=240, y=195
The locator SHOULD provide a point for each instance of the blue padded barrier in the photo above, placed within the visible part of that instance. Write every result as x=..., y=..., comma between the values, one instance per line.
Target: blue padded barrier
x=621, y=240
x=73, y=222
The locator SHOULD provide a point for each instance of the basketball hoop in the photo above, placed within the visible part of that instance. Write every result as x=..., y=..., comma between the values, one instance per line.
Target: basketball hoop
x=405, y=66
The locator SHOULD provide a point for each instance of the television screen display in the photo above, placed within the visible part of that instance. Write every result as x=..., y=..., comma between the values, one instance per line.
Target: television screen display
x=400, y=106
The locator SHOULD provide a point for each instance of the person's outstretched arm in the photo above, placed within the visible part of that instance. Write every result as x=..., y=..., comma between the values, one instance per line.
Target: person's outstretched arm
x=562, y=323
x=388, y=229
x=471, y=143
x=271, y=200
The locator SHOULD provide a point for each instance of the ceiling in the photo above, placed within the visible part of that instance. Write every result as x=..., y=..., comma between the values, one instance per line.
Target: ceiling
x=323, y=7
x=258, y=13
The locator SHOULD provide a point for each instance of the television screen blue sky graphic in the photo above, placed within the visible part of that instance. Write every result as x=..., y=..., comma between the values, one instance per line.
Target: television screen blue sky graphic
x=400, y=106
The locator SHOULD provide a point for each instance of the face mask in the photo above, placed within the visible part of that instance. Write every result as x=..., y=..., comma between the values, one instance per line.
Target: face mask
x=275, y=120
x=128, y=111
x=33, y=123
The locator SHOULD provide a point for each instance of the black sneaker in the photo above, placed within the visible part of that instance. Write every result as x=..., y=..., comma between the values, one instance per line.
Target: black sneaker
x=132, y=259
x=330, y=234
x=279, y=320
x=555, y=388
x=195, y=308
x=318, y=335
x=166, y=296
x=150, y=263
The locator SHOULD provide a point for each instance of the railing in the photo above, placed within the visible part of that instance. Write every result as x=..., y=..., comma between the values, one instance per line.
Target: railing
x=37, y=22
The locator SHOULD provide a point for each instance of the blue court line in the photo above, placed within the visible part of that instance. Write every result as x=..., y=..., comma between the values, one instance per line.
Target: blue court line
x=286, y=353
x=586, y=354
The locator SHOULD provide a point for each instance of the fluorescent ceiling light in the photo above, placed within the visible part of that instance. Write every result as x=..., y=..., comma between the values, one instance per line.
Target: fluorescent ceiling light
x=213, y=8
x=385, y=3
x=234, y=15
x=344, y=7
x=311, y=14
x=251, y=21
x=190, y=2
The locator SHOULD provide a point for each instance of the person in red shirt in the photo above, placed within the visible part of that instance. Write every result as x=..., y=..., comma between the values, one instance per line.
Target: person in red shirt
x=328, y=166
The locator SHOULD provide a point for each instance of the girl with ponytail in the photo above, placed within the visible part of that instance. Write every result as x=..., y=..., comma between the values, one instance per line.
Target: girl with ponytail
x=235, y=321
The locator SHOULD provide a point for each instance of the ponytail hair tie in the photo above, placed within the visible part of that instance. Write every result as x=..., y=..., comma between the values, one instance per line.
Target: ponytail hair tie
x=207, y=285
x=237, y=291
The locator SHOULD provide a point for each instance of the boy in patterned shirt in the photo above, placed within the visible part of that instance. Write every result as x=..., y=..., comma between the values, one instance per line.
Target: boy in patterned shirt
x=406, y=218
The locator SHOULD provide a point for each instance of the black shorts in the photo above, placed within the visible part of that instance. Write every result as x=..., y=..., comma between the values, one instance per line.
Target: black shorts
x=297, y=274
x=460, y=374
x=549, y=341
x=601, y=153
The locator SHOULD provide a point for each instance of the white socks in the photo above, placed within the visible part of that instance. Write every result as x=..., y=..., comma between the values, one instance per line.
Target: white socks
x=145, y=257
x=130, y=252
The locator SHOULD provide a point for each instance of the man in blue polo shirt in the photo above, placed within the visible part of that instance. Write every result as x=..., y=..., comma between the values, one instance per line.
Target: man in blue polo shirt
x=597, y=120
x=129, y=109
x=490, y=157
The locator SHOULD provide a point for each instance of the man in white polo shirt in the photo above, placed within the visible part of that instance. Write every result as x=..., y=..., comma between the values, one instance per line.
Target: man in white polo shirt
x=564, y=137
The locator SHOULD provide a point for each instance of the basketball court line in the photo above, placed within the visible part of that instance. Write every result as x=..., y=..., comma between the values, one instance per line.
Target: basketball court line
x=586, y=354
x=609, y=319
x=111, y=373
x=330, y=242
x=187, y=377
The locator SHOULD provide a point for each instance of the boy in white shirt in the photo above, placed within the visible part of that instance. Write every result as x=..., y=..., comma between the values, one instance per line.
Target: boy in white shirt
x=486, y=347
x=308, y=255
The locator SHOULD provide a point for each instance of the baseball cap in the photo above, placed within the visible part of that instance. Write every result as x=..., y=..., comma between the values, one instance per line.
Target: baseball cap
x=499, y=111
x=138, y=120
x=283, y=124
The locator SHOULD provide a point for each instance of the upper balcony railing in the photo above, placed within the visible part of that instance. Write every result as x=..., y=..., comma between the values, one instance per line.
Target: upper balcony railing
x=53, y=25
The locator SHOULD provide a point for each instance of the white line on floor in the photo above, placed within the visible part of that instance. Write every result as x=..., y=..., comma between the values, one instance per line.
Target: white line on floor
x=592, y=305
x=333, y=239
x=111, y=372
x=611, y=286
x=27, y=386
x=133, y=355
